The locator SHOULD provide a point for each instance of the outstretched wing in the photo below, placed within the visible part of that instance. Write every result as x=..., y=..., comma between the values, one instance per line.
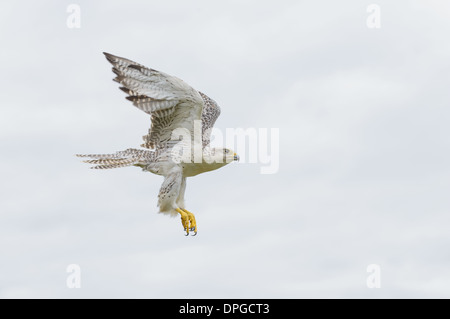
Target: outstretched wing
x=210, y=113
x=171, y=102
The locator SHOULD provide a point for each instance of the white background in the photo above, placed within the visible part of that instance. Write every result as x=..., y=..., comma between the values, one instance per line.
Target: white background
x=363, y=116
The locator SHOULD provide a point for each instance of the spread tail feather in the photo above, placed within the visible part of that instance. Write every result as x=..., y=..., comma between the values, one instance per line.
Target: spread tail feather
x=125, y=158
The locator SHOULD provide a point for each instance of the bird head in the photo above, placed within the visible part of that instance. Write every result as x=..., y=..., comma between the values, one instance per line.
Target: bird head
x=229, y=155
x=222, y=155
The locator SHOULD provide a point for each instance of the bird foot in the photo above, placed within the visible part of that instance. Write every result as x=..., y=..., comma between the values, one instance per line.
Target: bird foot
x=188, y=221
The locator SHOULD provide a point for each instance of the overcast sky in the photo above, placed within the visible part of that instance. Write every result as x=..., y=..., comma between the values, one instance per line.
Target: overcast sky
x=363, y=118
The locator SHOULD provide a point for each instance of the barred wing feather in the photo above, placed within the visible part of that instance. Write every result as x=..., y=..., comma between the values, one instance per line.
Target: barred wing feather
x=171, y=102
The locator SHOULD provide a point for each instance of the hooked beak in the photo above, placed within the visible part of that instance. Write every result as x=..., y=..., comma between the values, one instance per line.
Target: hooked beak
x=236, y=157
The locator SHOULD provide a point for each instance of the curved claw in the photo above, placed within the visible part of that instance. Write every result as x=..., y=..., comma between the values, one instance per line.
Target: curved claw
x=187, y=232
x=194, y=229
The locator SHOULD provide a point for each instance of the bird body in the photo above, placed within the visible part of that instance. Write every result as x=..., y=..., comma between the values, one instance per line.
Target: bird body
x=172, y=147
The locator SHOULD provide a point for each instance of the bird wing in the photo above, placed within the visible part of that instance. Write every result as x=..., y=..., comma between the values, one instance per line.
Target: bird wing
x=171, y=102
x=210, y=113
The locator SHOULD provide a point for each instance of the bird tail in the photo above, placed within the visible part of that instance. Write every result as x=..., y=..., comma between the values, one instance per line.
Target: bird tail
x=125, y=158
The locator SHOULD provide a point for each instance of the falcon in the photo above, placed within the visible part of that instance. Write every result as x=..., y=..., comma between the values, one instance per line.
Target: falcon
x=177, y=145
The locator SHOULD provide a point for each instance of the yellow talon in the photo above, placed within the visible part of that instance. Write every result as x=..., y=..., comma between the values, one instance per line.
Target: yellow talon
x=188, y=221
x=192, y=221
x=184, y=220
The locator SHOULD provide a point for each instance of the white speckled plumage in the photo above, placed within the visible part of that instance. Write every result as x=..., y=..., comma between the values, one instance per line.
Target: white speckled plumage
x=171, y=104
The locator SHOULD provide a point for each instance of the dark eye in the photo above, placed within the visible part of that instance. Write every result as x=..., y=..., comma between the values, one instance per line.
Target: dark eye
x=227, y=151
